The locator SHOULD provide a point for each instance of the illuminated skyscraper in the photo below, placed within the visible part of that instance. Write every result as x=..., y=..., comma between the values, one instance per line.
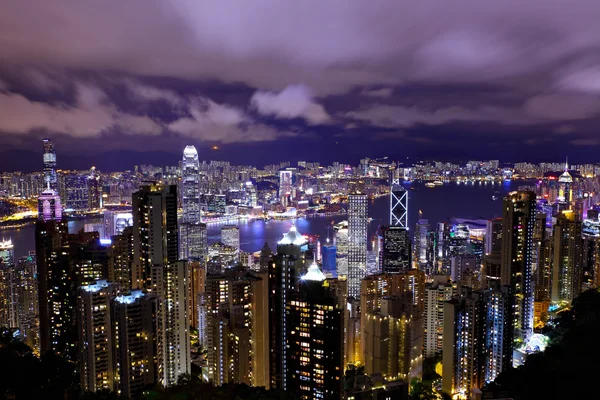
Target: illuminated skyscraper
x=285, y=186
x=190, y=185
x=230, y=235
x=234, y=320
x=477, y=339
x=435, y=295
x=94, y=190
x=315, y=339
x=398, y=205
x=120, y=259
x=517, y=257
x=157, y=269
x=76, y=192
x=96, y=364
x=53, y=273
x=49, y=159
x=193, y=242
x=396, y=252
x=329, y=258
x=135, y=338
x=422, y=245
x=358, y=224
x=284, y=274
x=340, y=241
x=567, y=266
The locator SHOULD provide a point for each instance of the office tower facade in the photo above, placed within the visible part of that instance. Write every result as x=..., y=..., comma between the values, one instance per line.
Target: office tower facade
x=230, y=235
x=190, y=185
x=567, y=268
x=157, y=269
x=192, y=231
x=398, y=205
x=493, y=236
x=340, y=240
x=94, y=186
x=422, y=245
x=461, y=265
x=517, y=257
x=120, y=259
x=436, y=294
x=251, y=195
x=75, y=193
x=193, y=241
x=134, y=317
x=49, y=163
x=315, y=339
x=284, y=274
x=96, y=363
x=285, y=186
x=477, y=339
x=393, y=339
x=396, y=254
x=329, y=258
x=358, y=224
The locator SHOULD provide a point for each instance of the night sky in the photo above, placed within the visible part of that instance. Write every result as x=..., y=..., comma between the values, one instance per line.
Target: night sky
x=118, y=83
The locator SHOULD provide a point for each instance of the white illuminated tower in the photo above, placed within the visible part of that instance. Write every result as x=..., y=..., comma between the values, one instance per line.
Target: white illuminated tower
x=358, y=224
x=190, y=185
x=398, y=204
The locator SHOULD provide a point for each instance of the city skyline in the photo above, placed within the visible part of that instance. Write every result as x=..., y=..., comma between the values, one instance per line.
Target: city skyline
x=308, y=200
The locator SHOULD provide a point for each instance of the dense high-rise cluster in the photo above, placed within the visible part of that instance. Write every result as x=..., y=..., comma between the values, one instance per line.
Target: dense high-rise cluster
x=141, y=297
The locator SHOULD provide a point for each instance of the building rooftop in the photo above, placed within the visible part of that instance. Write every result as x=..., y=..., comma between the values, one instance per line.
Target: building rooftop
x=293, y=237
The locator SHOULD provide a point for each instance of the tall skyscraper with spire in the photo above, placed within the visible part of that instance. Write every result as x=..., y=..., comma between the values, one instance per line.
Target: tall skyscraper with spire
x=49, y=159
x=190, y=185
x=396, y=249
x=192, y=232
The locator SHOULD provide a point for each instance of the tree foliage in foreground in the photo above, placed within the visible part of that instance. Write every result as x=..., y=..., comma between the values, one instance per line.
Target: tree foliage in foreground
x=192, y=388
x=569, y=368
x=25, y=376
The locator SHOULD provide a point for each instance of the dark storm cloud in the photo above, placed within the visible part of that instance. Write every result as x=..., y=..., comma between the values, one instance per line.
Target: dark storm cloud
x=337, y=64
